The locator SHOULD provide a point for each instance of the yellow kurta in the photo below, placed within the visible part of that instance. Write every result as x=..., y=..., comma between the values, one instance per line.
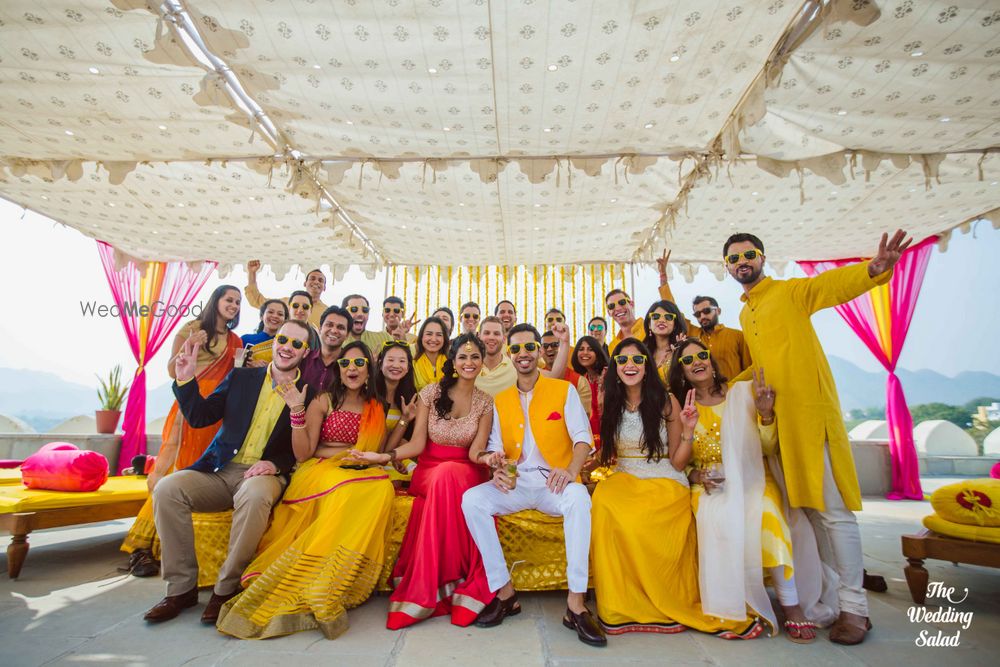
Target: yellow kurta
x=728, y=346
x=782, y=341
x=425, y=373
x=638, y=331
x=496, y=380
x=256, y=299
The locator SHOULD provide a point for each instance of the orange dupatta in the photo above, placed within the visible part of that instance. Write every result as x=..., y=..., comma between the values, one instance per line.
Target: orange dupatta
x=194, y=441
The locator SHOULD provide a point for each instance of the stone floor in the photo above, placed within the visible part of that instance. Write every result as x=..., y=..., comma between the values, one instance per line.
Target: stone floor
x=71, y=606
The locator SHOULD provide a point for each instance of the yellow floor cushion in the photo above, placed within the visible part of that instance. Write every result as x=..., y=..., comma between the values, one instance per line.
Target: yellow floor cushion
x=17, y=498
x=971, y=502
x=962, y=531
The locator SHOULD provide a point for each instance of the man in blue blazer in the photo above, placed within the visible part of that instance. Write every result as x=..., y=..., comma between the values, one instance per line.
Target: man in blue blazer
x=245, y=468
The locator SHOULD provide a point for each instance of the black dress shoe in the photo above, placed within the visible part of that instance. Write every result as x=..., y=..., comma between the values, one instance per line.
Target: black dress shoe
x=497, y=610
x=170, y=606
x=142, y=564
x=214, y=606
x=587, y=628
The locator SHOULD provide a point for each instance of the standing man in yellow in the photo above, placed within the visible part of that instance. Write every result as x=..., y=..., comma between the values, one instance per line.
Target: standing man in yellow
x=315, y=284
x=728, y=346
x=622, y=310
x=814, y=449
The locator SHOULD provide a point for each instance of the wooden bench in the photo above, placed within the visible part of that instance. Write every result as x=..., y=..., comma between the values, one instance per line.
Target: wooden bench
x=928, y=544
x=24, y=510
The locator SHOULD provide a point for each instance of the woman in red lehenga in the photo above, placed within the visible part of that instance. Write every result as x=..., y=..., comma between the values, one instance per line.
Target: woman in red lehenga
x=439, y=570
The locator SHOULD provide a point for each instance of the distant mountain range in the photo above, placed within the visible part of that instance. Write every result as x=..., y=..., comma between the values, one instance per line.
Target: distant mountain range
x=44, y=400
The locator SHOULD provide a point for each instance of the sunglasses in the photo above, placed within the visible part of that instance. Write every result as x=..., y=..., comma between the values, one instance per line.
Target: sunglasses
x=617, y=304
x=360, y=362
x=748, y=255
x=516, y=347
x=301, y=306
x=388, y=310
x=549, y=346
x=296, y=343
x=554, y=318
x=688, y=359
x=596, y=327
x=394, y=343
x=470, y=316
x=637, y=359
x=704, y=311
x=363, y=309
x=669, y=317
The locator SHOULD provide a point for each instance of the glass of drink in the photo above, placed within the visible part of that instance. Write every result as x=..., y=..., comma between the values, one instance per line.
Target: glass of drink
x=510, y=469
x=715, y=474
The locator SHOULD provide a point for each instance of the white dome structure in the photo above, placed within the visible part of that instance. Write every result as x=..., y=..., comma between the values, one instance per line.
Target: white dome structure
x=991, y=445
x=82, y=424
x=873, y=429
x=938, y=437
x=14, y=425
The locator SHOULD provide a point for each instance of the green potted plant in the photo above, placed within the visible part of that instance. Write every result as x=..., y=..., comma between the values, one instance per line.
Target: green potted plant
x=111, y=395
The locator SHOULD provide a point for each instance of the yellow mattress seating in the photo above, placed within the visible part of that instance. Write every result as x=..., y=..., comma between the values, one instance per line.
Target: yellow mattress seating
x=17, y=498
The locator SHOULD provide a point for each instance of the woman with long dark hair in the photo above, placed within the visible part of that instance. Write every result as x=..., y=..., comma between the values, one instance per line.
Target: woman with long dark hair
x=182, y=444
x=273, y=314
x=643, y=546
x=665, y=327
x=431, y=351
x=325, y=547
x=394, y=385
x=439, y=570
x=738, y=503
x=590, y=361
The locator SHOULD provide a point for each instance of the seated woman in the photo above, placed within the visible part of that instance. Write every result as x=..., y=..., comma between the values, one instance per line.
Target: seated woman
x=273, y=314
x=590, y=361
x=643, y=541
x=737, y=502
x=300, y=304
x=439, y=570
x=430, y=352
x=182, y=444
x=324, y=550
x=665, y=327
x=395, y=388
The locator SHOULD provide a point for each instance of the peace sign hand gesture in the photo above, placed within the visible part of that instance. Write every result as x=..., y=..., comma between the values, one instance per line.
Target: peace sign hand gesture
x=889, y=252
x=689, y=413
x=763, y=395
x=661, y=261
x=409, y=409
x=186, y=360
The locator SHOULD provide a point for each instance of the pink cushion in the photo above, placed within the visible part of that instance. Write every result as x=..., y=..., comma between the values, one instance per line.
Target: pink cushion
x=6, y=464
x=61, y=466
x=995, y=470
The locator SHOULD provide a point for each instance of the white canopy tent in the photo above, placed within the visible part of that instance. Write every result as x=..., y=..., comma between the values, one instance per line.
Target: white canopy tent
x=520, y=133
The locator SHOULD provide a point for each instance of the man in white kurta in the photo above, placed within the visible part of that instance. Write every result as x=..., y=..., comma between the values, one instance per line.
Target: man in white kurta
x=539, y=423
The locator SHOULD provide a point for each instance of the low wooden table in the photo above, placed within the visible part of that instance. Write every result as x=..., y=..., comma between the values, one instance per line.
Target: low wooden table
x=27, y=510
x=928, y=544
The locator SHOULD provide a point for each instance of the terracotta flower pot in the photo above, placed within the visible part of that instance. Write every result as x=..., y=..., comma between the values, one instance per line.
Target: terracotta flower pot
x=107, y=420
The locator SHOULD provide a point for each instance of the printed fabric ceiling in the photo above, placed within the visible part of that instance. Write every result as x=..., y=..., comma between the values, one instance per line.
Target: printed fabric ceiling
x=478, y=132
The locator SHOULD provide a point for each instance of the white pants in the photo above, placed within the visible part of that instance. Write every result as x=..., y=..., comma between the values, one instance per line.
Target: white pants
x=481, y=503
x=839, y=542
x=785, y=589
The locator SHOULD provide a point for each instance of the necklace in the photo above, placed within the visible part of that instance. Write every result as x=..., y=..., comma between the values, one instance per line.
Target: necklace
x=630, y=407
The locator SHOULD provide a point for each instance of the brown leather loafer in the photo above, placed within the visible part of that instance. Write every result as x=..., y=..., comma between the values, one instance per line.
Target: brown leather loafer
x=587, y=628
x=214, y=606
x=170, y=606
x=847, y=633
x=497, y=610
x=142, y=564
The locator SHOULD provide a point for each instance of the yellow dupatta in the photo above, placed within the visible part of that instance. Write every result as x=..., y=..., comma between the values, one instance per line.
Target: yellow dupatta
x=425, y=373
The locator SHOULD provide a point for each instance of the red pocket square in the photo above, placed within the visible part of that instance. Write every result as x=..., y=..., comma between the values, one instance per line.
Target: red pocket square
x=555, y=416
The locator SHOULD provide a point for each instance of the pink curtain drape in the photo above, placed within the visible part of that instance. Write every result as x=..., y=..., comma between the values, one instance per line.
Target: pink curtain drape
x=881, y=318
x=152, y=299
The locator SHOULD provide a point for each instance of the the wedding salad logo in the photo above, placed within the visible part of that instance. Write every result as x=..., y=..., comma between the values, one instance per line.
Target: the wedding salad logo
x=133, y=309
x=942, y=615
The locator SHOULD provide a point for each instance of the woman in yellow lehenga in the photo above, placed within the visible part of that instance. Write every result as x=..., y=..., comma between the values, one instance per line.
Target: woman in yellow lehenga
x=429, y=352
x=325, y=548
x=182, y=444
x=643, y=535
x=738, y=505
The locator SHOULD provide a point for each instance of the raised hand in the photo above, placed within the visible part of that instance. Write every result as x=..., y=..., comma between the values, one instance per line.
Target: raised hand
x=763, y=395
x=409, y=409
x=661, y=261
x=889, y=252
x=199, y=337
x=253, y=266
x=689, y=413
x=680, y=341
x=294, y=397
x=186, y=361
x=561, y=332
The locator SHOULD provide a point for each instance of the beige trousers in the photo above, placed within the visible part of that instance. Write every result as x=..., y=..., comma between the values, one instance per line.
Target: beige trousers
x=179, y=494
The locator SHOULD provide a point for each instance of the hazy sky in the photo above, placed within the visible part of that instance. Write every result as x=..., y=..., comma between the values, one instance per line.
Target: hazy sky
x=51, y=268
